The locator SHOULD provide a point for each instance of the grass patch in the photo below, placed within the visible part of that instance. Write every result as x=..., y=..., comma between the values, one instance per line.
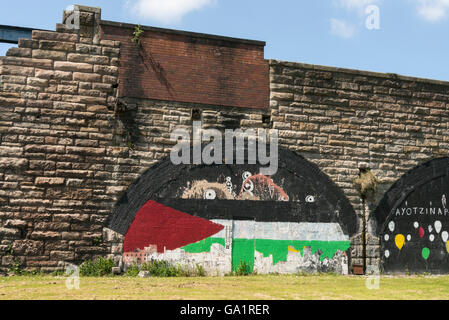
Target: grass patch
x=255, y=287
x=165, y=269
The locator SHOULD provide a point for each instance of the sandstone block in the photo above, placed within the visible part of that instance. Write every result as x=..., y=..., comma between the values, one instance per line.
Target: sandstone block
x=106, y=70
x=45, y=181
x=57, y=45
x=45, y=235
x=86, y=77
x=9, y=232
x=13, y=163
x=87, y=58
x=49, y=54
x=19, y=52
x=15, y=223
x=73, y=66
x=28, y=247
x=54, y=36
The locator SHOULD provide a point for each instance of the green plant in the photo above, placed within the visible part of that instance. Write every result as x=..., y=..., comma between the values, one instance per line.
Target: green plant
x=200, y=272
x=132, y=271
x=35, y=272
x=137, y=35
x=243, y=269
x=407, y=271
x=58, y=273
x=9, y=251
x=97, y=241
x=161, y=269
x=16, y=268
x=97, y=268
x=131, y=145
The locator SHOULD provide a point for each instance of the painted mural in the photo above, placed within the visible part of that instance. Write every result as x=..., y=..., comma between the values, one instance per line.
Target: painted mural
x=221, y=216
x=413, y=221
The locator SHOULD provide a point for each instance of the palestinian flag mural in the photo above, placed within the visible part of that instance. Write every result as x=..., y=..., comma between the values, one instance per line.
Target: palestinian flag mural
x=221, y=216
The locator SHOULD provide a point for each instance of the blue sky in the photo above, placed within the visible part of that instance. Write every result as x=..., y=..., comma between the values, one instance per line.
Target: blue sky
x=412, y=39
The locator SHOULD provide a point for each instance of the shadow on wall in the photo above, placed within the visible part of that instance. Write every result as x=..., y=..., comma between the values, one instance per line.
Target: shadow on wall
x=413, y=221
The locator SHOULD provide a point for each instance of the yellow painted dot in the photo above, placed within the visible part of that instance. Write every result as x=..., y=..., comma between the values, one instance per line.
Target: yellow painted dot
x=400, y=240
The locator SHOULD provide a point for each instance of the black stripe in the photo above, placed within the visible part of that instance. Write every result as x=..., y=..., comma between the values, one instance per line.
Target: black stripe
x=262, y=211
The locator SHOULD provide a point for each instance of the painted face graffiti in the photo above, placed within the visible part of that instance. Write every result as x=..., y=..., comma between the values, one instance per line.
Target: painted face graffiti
x=252, y=187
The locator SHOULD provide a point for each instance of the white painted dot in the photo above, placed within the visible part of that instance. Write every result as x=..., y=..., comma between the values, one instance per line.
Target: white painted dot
x=210, y=194
x=391, y=226
x=387, y=253
x=438, y=226
x=409, y=237
x=416, y=225
x=445, y=236
x=431, y=238
x=430, y=228
x=387, y=237
x=310, y=199
x=246, y=175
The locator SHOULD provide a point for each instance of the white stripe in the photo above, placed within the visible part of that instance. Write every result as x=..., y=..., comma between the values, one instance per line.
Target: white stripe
x=291, y=231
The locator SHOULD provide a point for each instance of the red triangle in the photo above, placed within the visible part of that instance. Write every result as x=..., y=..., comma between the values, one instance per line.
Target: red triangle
x=164, y=227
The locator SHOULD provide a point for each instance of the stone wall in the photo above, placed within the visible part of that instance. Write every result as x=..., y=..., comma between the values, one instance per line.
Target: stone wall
x=56, y=159
x=69, y=147
x=347, y=121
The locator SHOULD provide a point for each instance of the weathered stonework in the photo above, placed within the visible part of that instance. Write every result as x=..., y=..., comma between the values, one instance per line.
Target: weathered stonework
x=56, y=146
x=69, y=148
x=346, y=121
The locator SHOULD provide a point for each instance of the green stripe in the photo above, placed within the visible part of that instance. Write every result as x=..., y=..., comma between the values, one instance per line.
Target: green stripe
x=279, y=248
x=203, y=245
x=243, y=250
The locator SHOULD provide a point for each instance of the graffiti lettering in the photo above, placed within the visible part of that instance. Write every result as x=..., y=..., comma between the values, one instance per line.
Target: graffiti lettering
x=421, y=211
x=413, y=221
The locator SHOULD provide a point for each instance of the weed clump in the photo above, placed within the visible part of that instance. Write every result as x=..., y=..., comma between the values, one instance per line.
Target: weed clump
x=165, y=269
x=96, y=268
x=367, y=183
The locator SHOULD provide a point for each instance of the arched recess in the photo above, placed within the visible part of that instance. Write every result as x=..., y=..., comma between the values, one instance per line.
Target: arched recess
x=413, y=221
x=296, y=219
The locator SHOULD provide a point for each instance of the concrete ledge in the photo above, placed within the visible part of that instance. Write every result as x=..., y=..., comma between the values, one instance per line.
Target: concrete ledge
x=393, y=76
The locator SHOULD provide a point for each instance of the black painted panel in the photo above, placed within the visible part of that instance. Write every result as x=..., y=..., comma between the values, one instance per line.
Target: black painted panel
x=297, y=178
x=417, y=209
